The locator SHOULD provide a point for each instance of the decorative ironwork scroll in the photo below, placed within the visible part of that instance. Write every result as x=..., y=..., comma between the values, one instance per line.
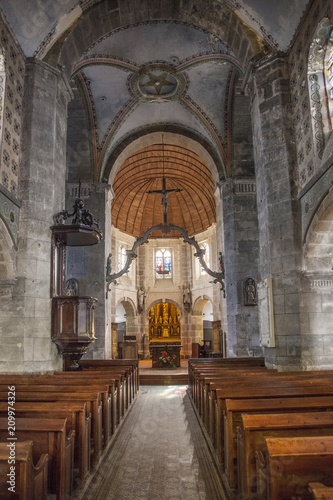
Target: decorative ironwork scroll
x=165, y=228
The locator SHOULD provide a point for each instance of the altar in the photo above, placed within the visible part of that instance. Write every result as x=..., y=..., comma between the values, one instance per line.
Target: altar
x=173, y=351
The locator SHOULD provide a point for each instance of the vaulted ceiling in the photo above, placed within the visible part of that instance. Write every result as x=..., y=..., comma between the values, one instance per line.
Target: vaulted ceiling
x=138, y=67
x=135, y=209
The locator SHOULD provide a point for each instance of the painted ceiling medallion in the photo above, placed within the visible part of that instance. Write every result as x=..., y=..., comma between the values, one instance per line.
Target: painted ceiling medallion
x=157, y=82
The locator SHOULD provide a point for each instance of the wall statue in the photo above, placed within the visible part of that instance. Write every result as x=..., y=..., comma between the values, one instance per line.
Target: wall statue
x=187, y=297
x=250, y=292
x=141, y=300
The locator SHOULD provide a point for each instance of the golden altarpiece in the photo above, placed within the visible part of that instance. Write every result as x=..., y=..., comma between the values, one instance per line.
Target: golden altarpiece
x=164, y=324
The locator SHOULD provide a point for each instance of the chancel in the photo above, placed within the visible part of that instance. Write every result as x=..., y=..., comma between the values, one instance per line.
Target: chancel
x=166, y=222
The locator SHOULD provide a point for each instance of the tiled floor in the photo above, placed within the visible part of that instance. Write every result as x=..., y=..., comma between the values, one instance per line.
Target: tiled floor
x=159, y=453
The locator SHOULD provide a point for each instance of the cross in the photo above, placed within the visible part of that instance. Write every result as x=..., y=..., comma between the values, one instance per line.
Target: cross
x=164, y=192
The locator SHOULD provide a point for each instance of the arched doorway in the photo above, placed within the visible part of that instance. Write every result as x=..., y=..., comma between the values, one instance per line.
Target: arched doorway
x=123, y=326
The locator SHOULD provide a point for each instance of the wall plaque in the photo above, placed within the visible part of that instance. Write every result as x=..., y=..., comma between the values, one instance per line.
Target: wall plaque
x=266, y=313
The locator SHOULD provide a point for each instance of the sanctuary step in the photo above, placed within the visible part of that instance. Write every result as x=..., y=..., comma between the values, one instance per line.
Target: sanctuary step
x=165, y=378
x=156, y=376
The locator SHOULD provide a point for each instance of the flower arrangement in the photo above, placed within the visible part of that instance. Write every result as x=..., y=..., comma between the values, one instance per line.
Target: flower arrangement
x=165, y=360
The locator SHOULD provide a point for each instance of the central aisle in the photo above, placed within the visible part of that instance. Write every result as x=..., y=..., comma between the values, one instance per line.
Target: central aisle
x=159, y=453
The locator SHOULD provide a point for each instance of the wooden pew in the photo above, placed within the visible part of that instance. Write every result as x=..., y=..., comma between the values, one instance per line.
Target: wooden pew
x=48, y=436
x=286, y=465
x=107, y=364
x=94, y=407
x=268, y=388
x=227, y=364
x=320, y=492
x=107, y=385
x=30, y=481
x=52, y=384
x=116, y=389
x=76, y=418
x=232, y=418
x=255, y=428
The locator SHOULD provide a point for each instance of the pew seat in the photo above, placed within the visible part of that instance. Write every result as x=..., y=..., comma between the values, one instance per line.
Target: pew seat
x=29, y=480
x=48, y=436
x=254, y=429
x=320, y=492
x=286, y=466
x=76, y=418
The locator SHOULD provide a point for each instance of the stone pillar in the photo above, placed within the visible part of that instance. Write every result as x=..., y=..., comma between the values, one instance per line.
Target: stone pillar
x=241, y=262
x=88, y=264
x=278, y=207
x=42, y=191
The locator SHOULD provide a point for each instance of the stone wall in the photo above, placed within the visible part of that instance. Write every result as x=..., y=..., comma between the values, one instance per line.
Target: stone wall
x=26, y=326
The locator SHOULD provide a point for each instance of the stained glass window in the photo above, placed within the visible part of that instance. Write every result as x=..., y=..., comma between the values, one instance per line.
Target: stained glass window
x=330, y=73
x=163, y=263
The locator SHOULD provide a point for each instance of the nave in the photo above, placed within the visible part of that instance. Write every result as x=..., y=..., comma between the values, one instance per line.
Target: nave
x=159, y=453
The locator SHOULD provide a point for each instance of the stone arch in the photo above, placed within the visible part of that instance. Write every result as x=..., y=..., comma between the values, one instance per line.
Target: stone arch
x=199, y=304
x=129, y=306
x=218, y=20
x=158, y=301
x=317, y=287
x=147, y=136
x=318, y=256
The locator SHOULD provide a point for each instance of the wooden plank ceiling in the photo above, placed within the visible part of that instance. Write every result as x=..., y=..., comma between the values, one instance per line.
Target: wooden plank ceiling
x=193, y=208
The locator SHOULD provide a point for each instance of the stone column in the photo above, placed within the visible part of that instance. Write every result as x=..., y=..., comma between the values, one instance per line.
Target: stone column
x=241, y=262
x=278, y=207
x=88, y=264
x=42, y=191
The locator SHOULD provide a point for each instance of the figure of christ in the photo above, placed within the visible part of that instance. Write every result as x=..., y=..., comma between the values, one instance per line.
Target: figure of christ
x=164, y=192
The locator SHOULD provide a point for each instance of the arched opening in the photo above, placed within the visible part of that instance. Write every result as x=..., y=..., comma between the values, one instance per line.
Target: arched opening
x=164, y=324
x=124, y=327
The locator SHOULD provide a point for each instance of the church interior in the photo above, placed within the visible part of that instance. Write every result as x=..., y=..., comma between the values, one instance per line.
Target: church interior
x=166, y=204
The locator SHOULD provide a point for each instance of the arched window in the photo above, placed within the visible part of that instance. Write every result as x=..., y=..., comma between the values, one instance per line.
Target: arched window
x=163, y=263
x=122, y=257
x=329, y=75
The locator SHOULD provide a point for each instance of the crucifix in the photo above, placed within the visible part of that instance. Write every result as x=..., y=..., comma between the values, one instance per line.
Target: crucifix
x=164, y=192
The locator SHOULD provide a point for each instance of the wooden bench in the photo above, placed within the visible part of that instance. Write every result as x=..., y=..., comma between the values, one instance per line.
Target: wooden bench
x=54, y=384
x=29, y=480
x=255, y=428
x=286, y=466
x=116, y=389
x=106, y=364
x=320, y=492
x=232, y=418
x=248, y=385
x=48, y=436
x=94, y=407
x=76, y=418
